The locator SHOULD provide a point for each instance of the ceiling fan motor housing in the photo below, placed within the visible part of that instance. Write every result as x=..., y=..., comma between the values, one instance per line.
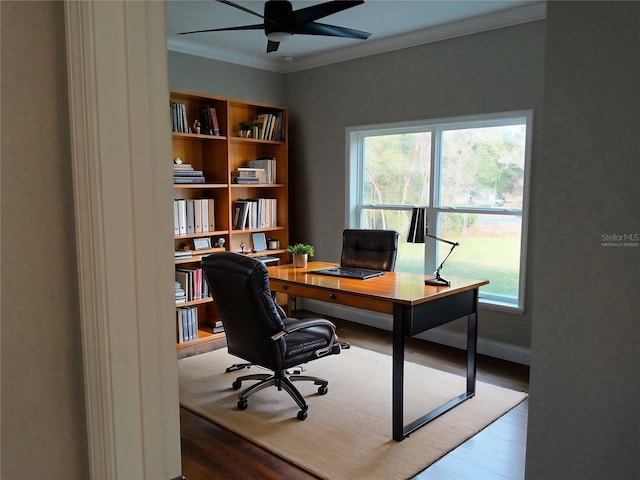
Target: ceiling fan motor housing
x=278, y=17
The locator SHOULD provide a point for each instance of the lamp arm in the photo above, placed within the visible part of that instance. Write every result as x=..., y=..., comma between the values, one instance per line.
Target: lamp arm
x=455, y=244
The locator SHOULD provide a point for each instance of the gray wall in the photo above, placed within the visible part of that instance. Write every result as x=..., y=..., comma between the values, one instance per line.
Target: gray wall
x=43, y=414
x=489, y=72
x=584, y=419
x=203, y=75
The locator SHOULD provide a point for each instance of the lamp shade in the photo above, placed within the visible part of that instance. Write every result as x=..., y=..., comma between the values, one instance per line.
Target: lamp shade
x=418, y=227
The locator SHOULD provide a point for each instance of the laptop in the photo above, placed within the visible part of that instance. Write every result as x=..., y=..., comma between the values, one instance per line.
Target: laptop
x=350, y=272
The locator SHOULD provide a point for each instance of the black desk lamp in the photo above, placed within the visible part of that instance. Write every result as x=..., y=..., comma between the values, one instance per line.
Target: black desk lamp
x=417, y=233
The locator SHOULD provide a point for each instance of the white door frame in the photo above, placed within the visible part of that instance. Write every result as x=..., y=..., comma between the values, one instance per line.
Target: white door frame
x=121, y=149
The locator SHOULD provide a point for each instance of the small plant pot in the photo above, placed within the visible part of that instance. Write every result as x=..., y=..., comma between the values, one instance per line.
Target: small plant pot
x=245, y=133
x=300, y=260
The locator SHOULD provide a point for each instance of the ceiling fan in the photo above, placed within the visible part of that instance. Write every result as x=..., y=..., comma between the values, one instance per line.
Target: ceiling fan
x=281, y=22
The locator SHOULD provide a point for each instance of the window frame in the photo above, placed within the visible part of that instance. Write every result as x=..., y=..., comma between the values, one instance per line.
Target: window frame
x=354, y=187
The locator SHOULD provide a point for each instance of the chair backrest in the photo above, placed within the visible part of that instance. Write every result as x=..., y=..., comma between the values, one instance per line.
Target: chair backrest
x=373, y=249
x=239, y=286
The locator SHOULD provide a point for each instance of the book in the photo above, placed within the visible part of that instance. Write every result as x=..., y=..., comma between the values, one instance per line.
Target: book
x=204, y=214
x=250, y=172
x=247, y=180
x=212, y=216
x=206, y=123
x=182, y=216
x=191, y=219
x=188, y=180
x=176, y=219
x=268, y=164
x=214, y=121
x=218, y=327
x=197, y=213
x=240, y=214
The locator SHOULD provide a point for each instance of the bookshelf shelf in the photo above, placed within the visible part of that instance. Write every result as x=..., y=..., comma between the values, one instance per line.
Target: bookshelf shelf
x=219, y=157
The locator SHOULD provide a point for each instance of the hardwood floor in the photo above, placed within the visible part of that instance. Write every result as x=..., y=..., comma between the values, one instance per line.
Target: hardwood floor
x=496, y=453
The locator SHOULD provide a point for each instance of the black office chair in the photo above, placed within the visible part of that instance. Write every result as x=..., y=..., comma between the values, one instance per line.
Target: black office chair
x=372, y=249
x=261, y=334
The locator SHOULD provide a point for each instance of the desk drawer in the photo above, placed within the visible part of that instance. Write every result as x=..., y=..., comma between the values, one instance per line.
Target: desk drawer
x=332, y=296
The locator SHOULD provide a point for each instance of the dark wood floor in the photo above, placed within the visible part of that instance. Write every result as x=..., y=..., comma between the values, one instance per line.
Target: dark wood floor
x=496, y=453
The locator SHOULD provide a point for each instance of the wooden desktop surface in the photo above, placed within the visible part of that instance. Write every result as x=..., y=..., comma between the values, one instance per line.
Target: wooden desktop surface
x=377, y=294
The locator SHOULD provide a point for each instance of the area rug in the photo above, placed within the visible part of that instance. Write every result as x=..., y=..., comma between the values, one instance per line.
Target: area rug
x=347, y=435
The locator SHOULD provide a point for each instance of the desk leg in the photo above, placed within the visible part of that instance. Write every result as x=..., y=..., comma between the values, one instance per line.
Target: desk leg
x=397, y=406
x=402, y=318
x=472, y=345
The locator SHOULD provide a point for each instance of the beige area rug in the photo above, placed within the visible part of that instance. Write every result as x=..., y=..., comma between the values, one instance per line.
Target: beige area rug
x=347, y=435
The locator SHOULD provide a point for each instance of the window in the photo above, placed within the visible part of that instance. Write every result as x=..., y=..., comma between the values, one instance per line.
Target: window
x=471, y=172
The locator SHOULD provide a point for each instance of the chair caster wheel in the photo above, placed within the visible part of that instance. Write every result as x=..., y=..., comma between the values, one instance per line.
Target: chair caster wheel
x=236, y=384
x=242, y=404
x=323, y=389
x=302, y=414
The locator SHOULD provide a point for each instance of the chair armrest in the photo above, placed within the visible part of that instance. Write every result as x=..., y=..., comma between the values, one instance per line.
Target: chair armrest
x=308, y=323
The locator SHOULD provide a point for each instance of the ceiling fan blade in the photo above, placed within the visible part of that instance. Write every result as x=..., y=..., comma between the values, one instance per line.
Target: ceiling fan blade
x=240, y=7
x=314, y=12
x=272, y=46
x=316, y=28
x=242, y=27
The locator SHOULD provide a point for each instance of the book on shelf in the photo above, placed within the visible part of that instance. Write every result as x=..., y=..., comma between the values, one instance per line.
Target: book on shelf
x=246, y=180
x=179, y=254
x=209, y=121
x=214, y=121
x=193, y=283
x=240, y=214
x=182, y=216
x=197, y=213
x=181, y=296
x=218, y=327
x=200, y=217
x=185, y=173
x=246, y=173
x=191, y=217
x=256, y=212
x=268, y=126
x=187, y=180
x=268, y=164
x=186, y=324
x=211, y=215
x=179, y=123
x=204, y=214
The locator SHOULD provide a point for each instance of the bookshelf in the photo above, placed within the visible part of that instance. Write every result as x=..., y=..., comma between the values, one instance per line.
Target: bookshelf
x=218, y=158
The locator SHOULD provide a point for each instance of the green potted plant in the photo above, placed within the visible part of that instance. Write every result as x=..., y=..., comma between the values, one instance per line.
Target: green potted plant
x=300, y=253
x=245, y=129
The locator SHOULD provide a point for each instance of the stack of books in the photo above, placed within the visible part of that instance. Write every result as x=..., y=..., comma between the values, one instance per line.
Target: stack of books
x=181, y=254
x=248, y=176
x=181, y=296
x=184, y=173
x=269, y=166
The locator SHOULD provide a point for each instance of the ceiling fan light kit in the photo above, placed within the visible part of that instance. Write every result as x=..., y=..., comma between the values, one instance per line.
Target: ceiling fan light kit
x=281, y=22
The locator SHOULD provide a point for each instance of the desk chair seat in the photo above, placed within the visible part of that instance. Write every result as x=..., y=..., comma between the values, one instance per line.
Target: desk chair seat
x=260, y=333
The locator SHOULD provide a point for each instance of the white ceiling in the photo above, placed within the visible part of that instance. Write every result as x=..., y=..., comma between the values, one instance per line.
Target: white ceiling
x=394, y=24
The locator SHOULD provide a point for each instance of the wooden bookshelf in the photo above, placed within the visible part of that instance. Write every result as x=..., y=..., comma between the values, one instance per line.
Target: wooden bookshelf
x=219, y=157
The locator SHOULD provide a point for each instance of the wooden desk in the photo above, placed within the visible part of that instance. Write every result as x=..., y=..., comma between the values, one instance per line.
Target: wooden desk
x=415, y=307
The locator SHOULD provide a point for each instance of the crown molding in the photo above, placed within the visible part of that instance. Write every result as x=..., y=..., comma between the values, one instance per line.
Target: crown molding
x=482, y=23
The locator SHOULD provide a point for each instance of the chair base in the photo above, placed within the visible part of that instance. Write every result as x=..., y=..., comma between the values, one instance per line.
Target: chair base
x=281, y=380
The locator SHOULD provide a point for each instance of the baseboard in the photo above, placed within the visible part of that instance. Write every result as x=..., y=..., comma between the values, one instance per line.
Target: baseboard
x=492, y=348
